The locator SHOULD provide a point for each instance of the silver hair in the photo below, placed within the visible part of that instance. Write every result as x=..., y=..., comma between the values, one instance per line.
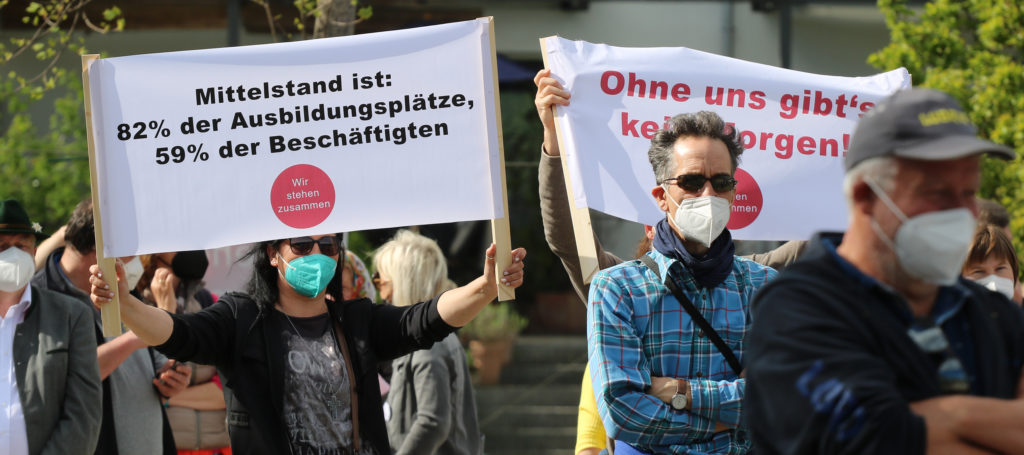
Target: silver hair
x=662, y=154
x=415, y=265
x=881, y=170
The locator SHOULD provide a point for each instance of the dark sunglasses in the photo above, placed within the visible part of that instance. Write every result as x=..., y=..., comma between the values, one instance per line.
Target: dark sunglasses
x=329, y=246
x=693, y=183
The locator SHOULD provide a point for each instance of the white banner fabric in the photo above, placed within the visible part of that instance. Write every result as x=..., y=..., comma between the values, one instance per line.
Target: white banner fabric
x=794, y=126
x=203, y=149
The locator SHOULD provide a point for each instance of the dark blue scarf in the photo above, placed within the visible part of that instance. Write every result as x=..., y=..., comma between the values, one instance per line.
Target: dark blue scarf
x=709, y=270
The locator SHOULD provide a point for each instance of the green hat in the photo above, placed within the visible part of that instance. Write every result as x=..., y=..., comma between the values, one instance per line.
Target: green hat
x=14, y=220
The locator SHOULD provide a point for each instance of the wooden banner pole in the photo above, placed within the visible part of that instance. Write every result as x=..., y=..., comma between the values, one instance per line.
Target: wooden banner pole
x=500, y=231
x=110, y=314
x=586, y=247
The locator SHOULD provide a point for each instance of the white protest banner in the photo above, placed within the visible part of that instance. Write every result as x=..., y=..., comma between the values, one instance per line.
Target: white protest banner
x=795, y=128
x=204, y=149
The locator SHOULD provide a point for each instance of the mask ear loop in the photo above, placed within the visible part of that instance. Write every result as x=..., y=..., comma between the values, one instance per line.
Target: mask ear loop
x=671, y=218
x=286, y=264
x=668, y=196
x=877, y=189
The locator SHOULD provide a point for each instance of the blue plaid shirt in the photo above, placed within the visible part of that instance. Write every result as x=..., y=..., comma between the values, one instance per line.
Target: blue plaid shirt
x=636, y=329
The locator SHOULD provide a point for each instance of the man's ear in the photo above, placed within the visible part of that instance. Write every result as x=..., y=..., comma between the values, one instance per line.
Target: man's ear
x=863, y=197
x=660, y=197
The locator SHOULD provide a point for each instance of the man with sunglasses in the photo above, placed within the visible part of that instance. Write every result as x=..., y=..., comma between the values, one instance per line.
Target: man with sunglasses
x=558, y=231
x=872, y=342
x=663, y=384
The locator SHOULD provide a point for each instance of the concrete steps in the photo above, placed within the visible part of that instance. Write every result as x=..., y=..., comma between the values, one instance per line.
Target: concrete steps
x=534, y=408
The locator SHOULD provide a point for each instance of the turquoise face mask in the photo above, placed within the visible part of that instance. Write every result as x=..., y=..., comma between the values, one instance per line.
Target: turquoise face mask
x=309, y=275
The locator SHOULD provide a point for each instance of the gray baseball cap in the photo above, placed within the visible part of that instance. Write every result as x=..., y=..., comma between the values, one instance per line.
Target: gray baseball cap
x=920, y=124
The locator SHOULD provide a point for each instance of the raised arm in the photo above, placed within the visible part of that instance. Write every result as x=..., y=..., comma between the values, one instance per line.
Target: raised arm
x=460, y=305
x=56, y=240
x=554, y=201
x=549, y=94
x=151, y=325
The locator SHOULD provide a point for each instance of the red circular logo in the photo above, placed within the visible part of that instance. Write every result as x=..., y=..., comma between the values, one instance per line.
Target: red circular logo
x=748, y=202
x=302, y=196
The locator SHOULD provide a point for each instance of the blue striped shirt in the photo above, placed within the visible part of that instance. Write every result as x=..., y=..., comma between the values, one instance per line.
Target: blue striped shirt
x=636, y=329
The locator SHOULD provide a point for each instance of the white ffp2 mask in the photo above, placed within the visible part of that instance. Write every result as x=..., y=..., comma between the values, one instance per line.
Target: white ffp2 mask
x=16, y=269
x=133, y=271
x=931, y=246
x=700, y=219
x=999, y=284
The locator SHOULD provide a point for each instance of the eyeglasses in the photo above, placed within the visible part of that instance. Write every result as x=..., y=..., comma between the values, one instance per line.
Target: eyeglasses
x=329, y=245
x=693, y=183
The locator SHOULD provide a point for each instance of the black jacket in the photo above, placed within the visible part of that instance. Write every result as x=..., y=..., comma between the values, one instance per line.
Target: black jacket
x=237, y=336
x=51, y=277
x=831, y=369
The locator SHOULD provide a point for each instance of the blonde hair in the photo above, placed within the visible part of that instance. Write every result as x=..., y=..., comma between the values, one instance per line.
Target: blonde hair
x=414, y=264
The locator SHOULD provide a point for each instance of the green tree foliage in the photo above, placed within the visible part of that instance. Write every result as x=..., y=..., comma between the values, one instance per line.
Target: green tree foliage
x=46, y=167
x=973, y=50
x=54, y=24
x=316, y=19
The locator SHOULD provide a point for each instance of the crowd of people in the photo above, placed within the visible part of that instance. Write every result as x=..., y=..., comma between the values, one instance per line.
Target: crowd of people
x=903, y=334
x=290, y=366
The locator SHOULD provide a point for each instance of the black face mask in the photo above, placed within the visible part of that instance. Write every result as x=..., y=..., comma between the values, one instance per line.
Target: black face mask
x=190, y=265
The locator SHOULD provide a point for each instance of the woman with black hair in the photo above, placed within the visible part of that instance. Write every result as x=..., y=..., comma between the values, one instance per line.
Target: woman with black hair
x=299, y=369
